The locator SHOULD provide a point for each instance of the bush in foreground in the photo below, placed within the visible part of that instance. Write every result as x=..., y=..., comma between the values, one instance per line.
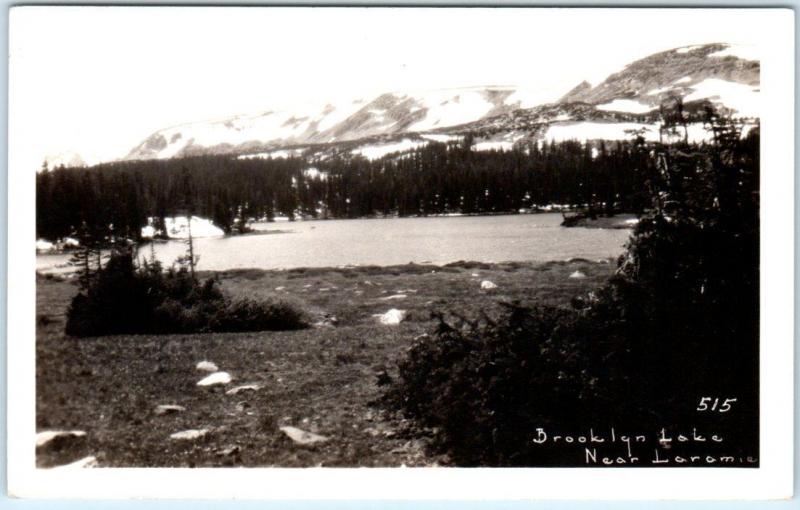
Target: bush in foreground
x=487, y=386
x=124, y=299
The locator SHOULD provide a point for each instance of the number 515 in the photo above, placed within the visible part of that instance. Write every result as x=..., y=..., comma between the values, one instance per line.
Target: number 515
x=724, y=407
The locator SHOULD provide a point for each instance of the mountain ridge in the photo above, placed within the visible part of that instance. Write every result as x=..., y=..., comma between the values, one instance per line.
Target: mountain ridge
x=501, y=115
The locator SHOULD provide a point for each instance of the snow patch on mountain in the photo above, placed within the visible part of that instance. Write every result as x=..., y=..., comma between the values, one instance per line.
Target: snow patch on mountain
x=745, y=99
x=494, y=146
x=581, y=131
x=745, y=52
x=379, y=151
x=658, y=91
x=440, y=138
x=625, y=105
x=445, y=111
x=687, y=49
x=282, y=153
x=599, y=131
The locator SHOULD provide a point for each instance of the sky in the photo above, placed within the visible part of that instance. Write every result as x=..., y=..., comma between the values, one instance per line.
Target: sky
x=99, y=80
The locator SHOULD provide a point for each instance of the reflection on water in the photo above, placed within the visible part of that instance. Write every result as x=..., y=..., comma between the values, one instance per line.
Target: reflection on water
x=535, y=237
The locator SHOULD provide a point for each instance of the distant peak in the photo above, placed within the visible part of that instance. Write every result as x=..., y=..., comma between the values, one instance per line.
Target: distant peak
x=577, y=90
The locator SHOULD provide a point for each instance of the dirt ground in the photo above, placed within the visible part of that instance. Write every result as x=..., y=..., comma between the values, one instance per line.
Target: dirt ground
x=322, y=380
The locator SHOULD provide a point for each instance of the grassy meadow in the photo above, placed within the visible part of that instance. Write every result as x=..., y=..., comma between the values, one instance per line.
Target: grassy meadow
x=324, y=379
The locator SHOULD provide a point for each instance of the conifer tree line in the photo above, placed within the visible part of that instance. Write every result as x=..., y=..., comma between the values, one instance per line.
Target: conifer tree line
x=113, y=201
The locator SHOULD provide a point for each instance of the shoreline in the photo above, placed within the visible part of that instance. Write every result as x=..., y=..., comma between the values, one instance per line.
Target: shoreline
x=72, y=246
x=407, y=268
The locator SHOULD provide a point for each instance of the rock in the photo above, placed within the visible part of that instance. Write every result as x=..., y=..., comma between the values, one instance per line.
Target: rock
x=328, y=321
x=86, y=462
x=188, y=435
x=58, y=437
x=475, y=275
x=577, y=274
x=243, y=388
x=168, y=409
x=487, y=285
x=227, y=452
x=241, y=406
x=392, y=318
x=393, y=297
x=207, y=366
x=302, y=437
x=216, y=378
x=280, y=288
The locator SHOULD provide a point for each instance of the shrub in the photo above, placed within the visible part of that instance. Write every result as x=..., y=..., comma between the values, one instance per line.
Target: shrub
x=245, y=314
x=488, y=386
x=123, y=299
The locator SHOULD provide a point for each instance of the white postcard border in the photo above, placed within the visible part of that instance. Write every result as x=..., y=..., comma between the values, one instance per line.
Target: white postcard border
x=772, y=480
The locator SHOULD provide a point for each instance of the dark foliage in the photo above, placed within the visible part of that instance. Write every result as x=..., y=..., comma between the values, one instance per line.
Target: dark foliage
x=484, y=386
x=678, y=322
x=114, y=200
x=124, y=299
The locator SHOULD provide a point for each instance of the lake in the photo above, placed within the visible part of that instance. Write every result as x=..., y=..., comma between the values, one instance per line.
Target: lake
x=435, y=240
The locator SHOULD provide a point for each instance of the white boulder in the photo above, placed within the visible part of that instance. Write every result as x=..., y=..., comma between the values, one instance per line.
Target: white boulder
x=216, y=378
x=577, y=274
x=302, y=437
x=242, y=389
x=207, y=366
x=487, y=285
x=188, y=435
x=47, y=436
x=391, y=318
